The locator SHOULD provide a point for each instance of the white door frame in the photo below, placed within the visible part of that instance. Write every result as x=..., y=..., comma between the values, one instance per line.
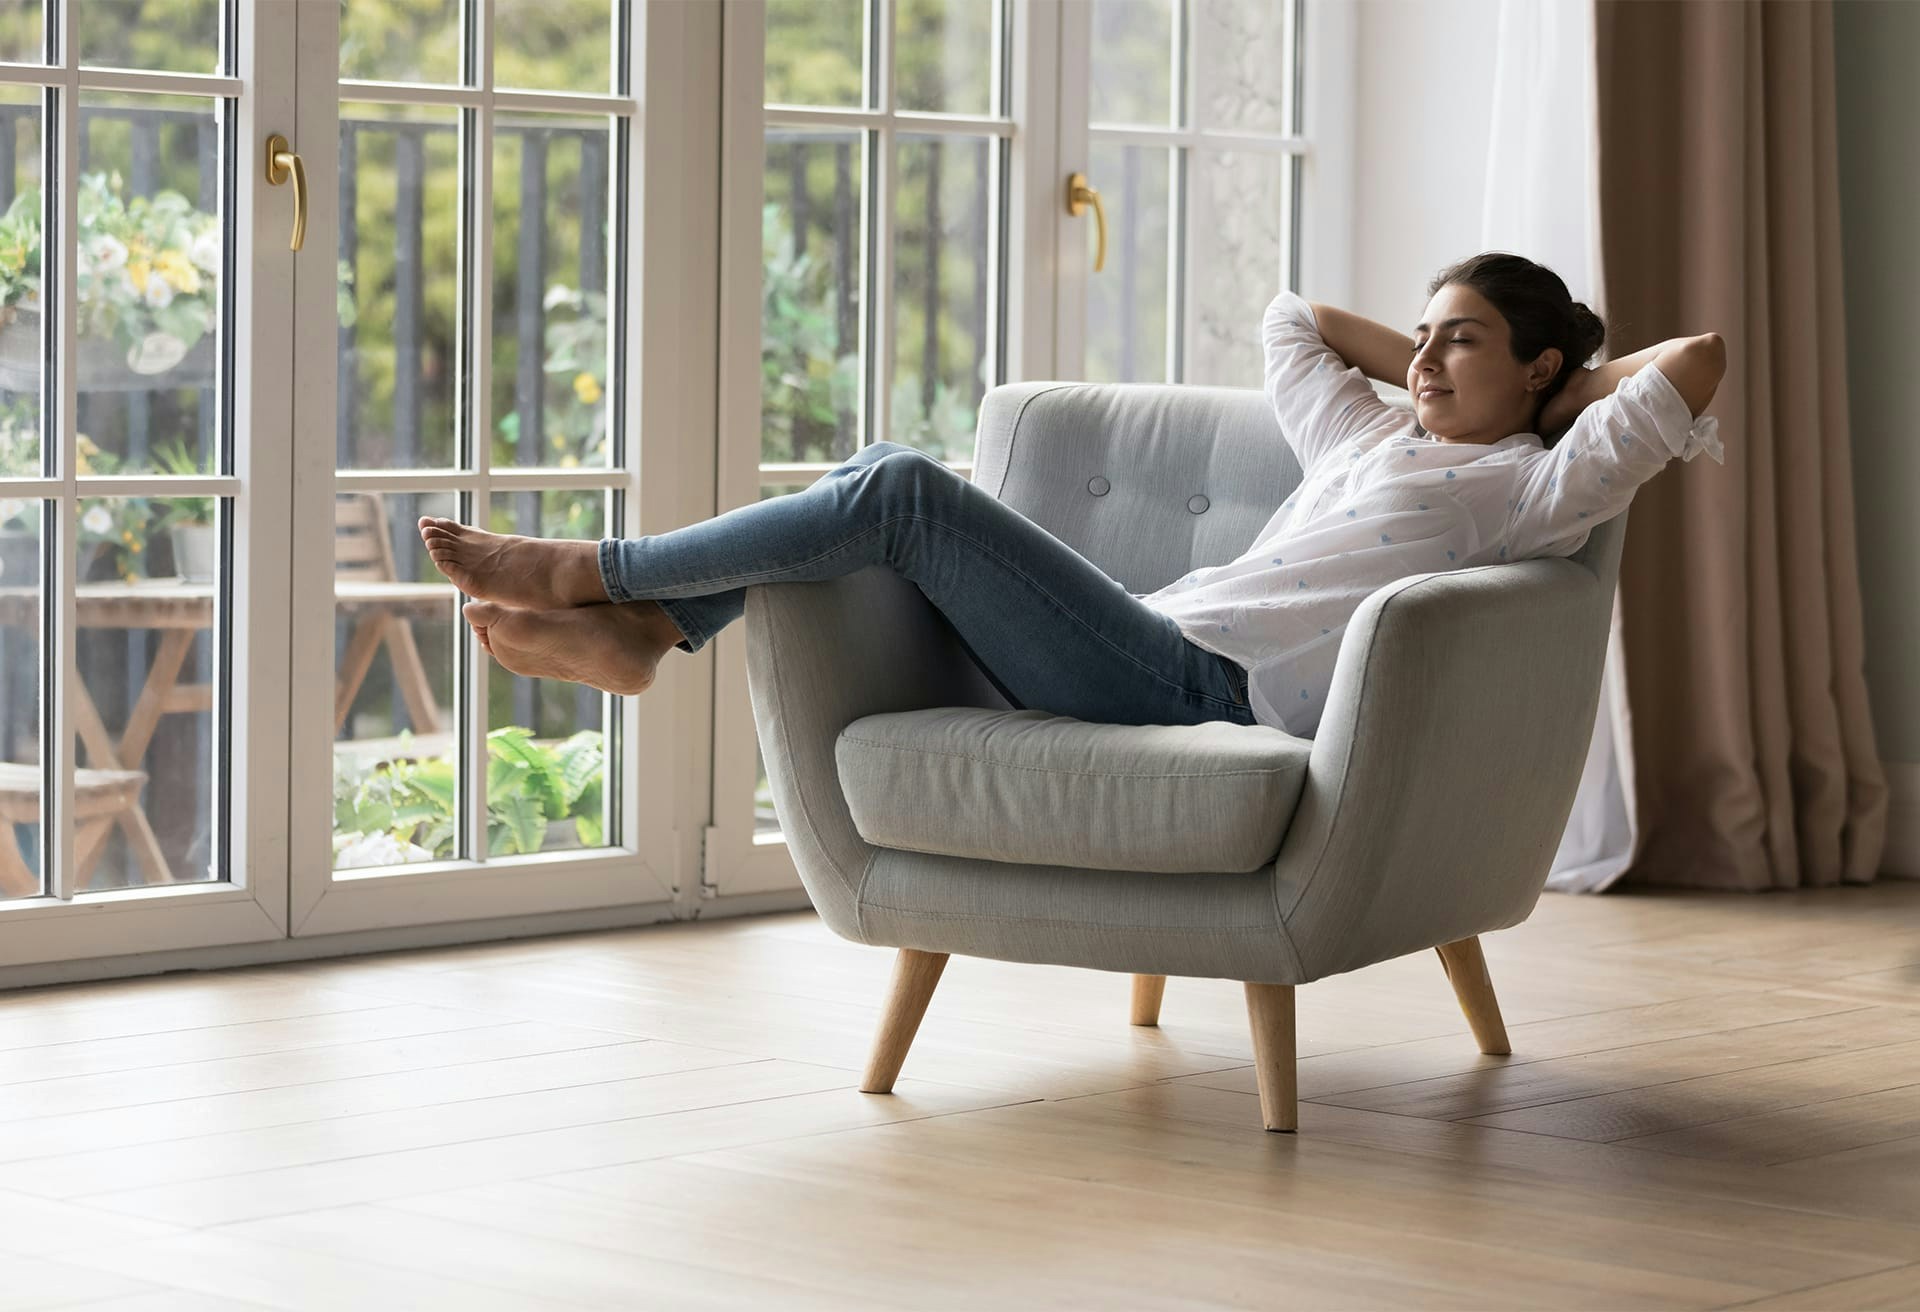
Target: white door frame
x=67, y=926
x=740, y=863
x=640, y=869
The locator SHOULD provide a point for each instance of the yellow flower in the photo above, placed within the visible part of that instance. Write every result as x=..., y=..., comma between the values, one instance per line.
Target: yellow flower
x=559, y=442
x=178, y=271
x=126, y=535
x=568, y=462
x=587, y=388
x=137, y=271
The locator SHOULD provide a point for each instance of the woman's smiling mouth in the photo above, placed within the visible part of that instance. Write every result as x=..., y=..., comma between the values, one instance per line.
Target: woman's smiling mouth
x=1435, y=391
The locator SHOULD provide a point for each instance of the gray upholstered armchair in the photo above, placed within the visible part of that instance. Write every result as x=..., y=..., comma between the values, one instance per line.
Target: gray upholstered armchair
x=926, y=814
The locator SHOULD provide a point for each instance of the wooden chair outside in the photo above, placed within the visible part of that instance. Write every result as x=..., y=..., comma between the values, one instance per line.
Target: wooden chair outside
x=101, y=799
x=362, y=549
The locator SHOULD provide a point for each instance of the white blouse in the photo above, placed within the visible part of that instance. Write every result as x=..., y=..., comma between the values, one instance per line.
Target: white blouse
x=1378, y=502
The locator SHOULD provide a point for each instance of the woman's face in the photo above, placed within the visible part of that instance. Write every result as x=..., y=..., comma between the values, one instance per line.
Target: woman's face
x=1462, y=346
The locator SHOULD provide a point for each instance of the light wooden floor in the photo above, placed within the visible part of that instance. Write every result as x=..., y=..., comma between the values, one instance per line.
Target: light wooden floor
x=1712, y=1101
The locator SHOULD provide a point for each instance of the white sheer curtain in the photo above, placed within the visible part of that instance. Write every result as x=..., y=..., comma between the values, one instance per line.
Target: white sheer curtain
x=1543, y=201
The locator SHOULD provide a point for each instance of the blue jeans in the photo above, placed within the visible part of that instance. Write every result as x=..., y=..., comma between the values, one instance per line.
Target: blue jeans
x=1046, y=626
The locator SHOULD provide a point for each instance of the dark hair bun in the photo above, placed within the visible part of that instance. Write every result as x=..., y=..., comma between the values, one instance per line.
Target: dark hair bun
x=1589, y=331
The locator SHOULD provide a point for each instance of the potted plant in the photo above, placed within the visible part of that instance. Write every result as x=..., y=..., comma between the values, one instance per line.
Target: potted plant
x=189, y=520
x=147, y=293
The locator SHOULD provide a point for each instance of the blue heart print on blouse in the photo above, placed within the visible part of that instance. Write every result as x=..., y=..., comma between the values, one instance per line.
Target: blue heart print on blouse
x=1503, y=553
x=1303, y=694
x=1449, y=555
x=1301, y=584
x=1423, y=505
x=1449, y=473
x=1225, y=629
x=1385, y=538
x=1278, y=561
x=1352, y=513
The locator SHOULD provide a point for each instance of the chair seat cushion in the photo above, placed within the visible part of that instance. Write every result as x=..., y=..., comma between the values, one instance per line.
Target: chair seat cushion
x=1031, y=786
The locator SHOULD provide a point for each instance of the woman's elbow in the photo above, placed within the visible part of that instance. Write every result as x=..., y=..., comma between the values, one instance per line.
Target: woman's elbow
x=1696, y=368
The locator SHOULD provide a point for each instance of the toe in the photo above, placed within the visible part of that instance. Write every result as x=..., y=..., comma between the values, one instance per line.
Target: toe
x=483, y=614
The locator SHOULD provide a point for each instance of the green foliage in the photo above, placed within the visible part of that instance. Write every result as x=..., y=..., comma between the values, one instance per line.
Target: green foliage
x=175, y=459
x=403, y=810
x=806, y=380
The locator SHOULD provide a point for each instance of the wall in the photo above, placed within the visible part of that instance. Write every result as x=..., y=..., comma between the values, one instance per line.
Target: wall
x=1425, y=94
x=1876, y=49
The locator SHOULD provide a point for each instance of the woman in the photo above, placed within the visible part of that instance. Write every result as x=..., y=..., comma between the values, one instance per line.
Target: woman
x=1464, y=480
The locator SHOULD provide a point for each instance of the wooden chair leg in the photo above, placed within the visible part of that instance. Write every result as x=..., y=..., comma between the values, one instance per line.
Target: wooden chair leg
x=1270, y=1009
x=1466, y=969
x=1147, y=992
x=16, y=877
x=914, y=975
x=410, y=672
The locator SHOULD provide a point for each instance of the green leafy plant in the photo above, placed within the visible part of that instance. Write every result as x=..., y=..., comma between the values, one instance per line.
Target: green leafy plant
x=190, y=511
x=576, y=418
x=403, y=810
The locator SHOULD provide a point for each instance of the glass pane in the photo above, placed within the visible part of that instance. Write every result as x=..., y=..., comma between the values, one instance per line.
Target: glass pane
x=418, y=41
x=399, y=288
x=814, y=52
x=1127, y=301
x=940, y=288
x=811, y=295
x=20, y=861
x=1238, y=268
x=546, y=746
x=943, y=56
x=1243, y=74
x=149, y=283
x=22, y=32
x=175, y=36
x=553, y=45
x=144, y=794
x=20, y=321
x=1133, y=53
x=550, y=402
x=395, y=624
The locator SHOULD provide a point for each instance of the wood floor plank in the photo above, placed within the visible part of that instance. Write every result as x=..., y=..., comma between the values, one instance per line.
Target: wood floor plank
x=516, y=1261
x=485, y=1063
x=37, y=1226
x=770, y=1100
x=1501, y=1088
x=28, y=1284
x=1894, y=1290
x=274, y=1275
x=1702, y=1100
x=1794, y=1133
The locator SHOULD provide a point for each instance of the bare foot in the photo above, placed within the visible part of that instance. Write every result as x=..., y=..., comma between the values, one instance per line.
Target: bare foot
x=530, y=573
x=613, y=648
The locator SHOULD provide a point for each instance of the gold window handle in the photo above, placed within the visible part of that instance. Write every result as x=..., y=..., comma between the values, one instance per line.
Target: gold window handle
x=282, y=163
x=1080, y=195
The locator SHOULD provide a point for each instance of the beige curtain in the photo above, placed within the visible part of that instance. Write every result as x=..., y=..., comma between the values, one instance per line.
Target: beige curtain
x=1753, y=757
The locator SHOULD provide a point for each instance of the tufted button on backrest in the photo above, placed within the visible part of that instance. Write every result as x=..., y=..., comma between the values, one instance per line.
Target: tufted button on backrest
x=1197, y=503
x=1098, y=486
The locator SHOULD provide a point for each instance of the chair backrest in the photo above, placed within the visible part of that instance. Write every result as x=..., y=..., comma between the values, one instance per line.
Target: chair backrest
x=1151, y=480
x=362, y=548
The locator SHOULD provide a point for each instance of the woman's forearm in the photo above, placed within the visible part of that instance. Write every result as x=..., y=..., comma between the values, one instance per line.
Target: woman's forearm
x=1373, y=348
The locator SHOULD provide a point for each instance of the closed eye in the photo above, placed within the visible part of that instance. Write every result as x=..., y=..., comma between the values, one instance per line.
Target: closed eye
x=1465, y=341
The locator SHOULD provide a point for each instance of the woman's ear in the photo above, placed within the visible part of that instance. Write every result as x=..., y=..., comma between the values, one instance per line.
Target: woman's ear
x=1544, y=369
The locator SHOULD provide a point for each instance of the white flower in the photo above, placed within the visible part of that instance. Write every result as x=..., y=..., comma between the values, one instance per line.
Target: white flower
x=376, y=850
x=205, y=251
x=159, y=292
x=97, y=520
x=105, y=253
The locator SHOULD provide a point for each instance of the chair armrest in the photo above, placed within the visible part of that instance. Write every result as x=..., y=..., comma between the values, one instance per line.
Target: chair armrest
x=821, y=655
x=1446, y=761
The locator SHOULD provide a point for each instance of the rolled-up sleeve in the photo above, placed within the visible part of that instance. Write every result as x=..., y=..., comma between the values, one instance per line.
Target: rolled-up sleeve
x=1322, y=403
x=1589, y=476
